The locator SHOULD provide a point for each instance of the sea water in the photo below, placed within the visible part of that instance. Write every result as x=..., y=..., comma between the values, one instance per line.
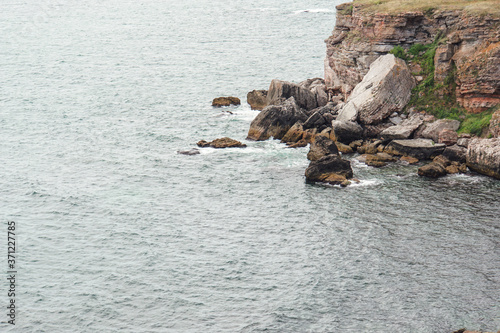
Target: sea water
x=116, y=232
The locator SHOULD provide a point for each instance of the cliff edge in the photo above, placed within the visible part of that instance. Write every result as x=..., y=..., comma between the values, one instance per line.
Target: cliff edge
x=466, y=47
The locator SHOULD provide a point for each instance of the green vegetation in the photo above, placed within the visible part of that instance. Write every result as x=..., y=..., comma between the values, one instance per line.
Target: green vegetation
x=439, y=99
x=428, y=7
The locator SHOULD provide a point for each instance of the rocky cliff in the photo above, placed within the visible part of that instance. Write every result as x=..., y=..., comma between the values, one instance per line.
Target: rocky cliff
x=468, y=51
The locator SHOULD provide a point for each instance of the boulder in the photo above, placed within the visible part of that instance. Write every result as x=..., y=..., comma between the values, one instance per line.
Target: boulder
x=329, y=169
x=483, y=156
x=222, y=143
x=409, y=159
x=257, y=99
x=294, y=134
x=432, y=170
x=316, y=120
x=404, y=130
x=298, y=144
x=318, y=88
x=321, y=147
x=455, y=153
x=283, y=90
x=385, y=89
x=432, y=130
x=377, y=160
x=373, y=131
x=275, y=120
x=193, y=151
x=448, y=136
x=226, y=101
x=346, y=131
x=418, y=148
x=344, y=149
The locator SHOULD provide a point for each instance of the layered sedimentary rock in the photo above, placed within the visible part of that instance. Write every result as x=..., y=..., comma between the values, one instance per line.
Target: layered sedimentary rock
x=483, y=156
x=471, y=47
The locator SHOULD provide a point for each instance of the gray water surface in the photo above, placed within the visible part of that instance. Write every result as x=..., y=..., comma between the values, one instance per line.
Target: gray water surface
x=117, y=232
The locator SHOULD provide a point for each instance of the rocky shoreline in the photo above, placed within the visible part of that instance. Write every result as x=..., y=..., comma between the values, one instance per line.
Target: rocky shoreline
x=362, y=105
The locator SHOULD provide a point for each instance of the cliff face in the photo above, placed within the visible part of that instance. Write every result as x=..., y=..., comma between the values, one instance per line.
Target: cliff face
x=469, y=51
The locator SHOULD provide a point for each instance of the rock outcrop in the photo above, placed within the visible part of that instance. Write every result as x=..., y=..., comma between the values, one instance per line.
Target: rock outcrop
x=434, y=129
x=222, y=143
x=385, y=89
x=276, y=120
x=257, y=99
x=404, y=130
x=495, y=124
x=483, y=156
x=308, y=94
x=226, y=101
x=346, y=131
x=321, y=147
x=421, y=149
x=330, y=169
x=472, y=47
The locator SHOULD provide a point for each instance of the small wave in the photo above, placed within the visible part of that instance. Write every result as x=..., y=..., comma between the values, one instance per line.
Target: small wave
x=366, y=182
x=316, y=10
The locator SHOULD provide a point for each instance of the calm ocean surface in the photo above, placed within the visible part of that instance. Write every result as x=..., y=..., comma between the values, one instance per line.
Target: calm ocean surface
x=116, y=232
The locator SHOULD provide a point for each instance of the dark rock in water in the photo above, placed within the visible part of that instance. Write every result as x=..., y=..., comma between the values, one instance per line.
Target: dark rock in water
x=455, y=153
x=377, y=160
x=294, y=134
x=282, y=90
x=432, y=170
x=346, y=131
x=222, y=143
x=330, y=169
x=483, y=156
x=225, y=101
x=276, y=120
x=321, y=147
x=316, y=120
x=193, y=151
x=418, y=148
x=257, y=99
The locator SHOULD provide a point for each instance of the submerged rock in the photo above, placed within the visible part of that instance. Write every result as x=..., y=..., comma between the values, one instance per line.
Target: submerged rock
x=385, y=89
x=193, y=151
x=276, y=120
x=483, y=156
x=330, y=169
x=226, y=101
x=222, y=143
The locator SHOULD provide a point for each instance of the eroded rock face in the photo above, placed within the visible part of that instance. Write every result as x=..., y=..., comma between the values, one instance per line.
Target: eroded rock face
x=276, y=120
x=321, y=147
x=385, y=89
x=483, y=156
x=404, y=130
x=472, y=45
x=495, y=124
x=257, y=99
x=329, y=169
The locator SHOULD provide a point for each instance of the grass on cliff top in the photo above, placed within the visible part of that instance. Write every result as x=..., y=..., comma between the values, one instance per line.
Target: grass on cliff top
x=481, y=7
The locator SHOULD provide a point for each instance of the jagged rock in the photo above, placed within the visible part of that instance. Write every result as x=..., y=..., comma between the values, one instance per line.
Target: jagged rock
x=442, y=63
x=404, y=130
x=463, y=142
x=315, y=120
x=346, y=131
x=226, y=101
x=432, y=130
x=318, y=88
x=495, y=124
x=432, y=170
x=377, y=160
x=283, y=90
x=257, y=99
x=310, y=135
x=193, y=151
x=483, y=156
x=222, y=143
x=418, y=148
x=322, y=146
x=344, y=149
x=385, y=89
x=298, y=144
x=356, y=144
x=455, y=153
x=329, y=169
x=275, y=120
x=448, y=137
x=294, y=134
